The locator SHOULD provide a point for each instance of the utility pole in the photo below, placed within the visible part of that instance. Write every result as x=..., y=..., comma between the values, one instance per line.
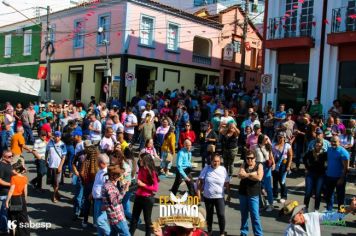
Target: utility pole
x=243, y=48
x=48, y=58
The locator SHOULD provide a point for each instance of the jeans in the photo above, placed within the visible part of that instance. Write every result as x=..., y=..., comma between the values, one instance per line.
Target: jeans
x=120, y=228
x=250, y=205
x=279, y=177
x=178, y=129
x=144, y=204
x=313, y=182
x=78, y=195
x=3, y=214
x=87, y=203
x=164, y=163
x=219, y=204
x=70, y=156
x=229, y=157
x=267, y=183
x=178, y=180
x=100, y=219
x=127, y=206
x=331, y=184
x=28, y=134
x=299, y=150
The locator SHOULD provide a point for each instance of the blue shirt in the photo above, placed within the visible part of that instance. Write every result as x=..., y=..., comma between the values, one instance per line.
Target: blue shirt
x=326, y=145
x=184, y=160
x=335, y=158
x=212, y=107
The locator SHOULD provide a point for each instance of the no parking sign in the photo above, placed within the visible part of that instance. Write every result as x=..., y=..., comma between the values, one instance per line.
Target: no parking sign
x=266, y=83
x=129, y=79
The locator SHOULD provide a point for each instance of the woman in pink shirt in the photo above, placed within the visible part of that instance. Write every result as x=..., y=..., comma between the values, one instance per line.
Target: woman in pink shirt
x=147, y=186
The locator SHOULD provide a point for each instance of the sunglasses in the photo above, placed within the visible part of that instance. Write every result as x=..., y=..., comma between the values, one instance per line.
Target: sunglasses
x=8, y=156
x=187, y=125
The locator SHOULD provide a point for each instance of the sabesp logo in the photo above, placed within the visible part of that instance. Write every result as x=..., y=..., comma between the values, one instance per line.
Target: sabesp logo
x=11, y=224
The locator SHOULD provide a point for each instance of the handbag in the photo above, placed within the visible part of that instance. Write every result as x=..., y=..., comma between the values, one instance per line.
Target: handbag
x=211, y=148
x=268, y=162
x=15, y=203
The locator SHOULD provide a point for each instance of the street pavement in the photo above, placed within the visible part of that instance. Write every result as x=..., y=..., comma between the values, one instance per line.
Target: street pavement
x=41, y=209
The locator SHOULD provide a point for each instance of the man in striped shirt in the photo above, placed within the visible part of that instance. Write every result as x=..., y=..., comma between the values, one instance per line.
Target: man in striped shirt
x=39, y=152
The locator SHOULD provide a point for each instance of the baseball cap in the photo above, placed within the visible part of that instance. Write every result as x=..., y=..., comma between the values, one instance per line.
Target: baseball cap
x=318, y=131
x=57, y=134
x=257, y=126
x=296, y=210
x=77, y=133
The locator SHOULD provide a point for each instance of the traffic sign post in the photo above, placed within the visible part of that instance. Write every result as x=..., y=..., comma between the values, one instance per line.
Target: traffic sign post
x=266, y=85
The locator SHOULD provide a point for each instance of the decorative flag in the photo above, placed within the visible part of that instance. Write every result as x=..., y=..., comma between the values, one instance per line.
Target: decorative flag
x=284, y=27
x=295, y=6
x=275, y=26
x=119, y=34
x=353, y=16
x=326, y=21
x=314, y=23
x=287, y=15
x=301, y=1
x=338, y=19
x=42, y=72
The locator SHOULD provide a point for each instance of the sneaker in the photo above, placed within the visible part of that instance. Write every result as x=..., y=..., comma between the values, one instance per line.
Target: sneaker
x=269, y=208
x=282, y=200
x=84, y=224
x=168, y=173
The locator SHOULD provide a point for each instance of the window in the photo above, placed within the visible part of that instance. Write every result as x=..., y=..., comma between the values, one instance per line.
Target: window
x=27, y=42
x=290, y=26
x=79, y=34
x=146, y=31
x=306, y=20
x=172, y=37
x=104, y=22
x=237, y=46
x=7, y=46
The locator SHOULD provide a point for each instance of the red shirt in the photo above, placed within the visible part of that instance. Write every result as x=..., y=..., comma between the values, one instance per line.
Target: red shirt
x=148, y=190
x=186, y=135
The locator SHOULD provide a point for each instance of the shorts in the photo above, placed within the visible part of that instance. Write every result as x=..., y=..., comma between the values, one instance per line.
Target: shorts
x=54, y=177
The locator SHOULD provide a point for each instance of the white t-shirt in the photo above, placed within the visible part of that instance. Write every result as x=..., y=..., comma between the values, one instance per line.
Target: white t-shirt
x=143, y=116
x=79, y=148
x=40, y=147
x=56, y=151
x=107, y=143
x=99, y=181
x=95, y=135
x=214, y=180
x=116, y=127
x=130, y=119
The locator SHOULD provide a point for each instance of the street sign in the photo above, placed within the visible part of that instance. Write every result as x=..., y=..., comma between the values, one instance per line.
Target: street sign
x=129, y=79
x=106, y=88
x=266, y=83
x=229, y=52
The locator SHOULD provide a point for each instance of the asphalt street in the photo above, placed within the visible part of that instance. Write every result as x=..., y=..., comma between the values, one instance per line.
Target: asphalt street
x=59, y=215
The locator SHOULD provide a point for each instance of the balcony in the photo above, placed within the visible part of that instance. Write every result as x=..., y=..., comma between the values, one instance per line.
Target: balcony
x=201, y=59
x=343, y=28
x=291, y=31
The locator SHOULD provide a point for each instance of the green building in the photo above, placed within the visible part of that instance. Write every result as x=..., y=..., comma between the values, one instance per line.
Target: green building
x=20, y=47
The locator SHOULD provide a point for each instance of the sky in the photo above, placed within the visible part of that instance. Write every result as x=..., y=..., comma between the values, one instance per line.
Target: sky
x=9, y=15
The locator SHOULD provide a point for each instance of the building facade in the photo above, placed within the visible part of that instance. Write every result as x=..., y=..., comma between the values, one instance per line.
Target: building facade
x=256, y=7
x=20, y=46
x=310, y=47
x=231, y=35
x=161, y=46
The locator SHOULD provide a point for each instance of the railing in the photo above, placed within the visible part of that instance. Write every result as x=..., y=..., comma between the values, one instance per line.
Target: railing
x=291, y=27
x=343, y=19
x=201, y=59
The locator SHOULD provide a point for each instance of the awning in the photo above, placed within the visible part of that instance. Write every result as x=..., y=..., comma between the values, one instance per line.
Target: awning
x=18, y=84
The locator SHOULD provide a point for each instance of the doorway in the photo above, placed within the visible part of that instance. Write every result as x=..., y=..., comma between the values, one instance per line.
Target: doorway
x=78, y=86
x=100, y=81
x=201, y=81
x=293, y=85
x=146, y=77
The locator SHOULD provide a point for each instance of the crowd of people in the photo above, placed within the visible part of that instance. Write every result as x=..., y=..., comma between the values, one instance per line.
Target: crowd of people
x=95, y=145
